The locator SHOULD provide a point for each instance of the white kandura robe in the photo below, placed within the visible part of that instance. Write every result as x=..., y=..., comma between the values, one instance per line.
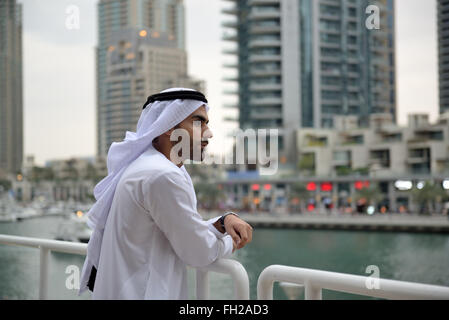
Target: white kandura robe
x=153, y=232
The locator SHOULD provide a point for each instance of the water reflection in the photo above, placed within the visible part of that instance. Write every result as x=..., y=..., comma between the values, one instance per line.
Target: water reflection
x=423, y=258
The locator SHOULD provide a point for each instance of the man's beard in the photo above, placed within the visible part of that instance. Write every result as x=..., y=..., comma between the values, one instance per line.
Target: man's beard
x=200, y=154
x=195, y=151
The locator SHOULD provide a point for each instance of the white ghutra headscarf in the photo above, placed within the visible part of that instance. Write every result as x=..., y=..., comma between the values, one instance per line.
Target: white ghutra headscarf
x=158, y=117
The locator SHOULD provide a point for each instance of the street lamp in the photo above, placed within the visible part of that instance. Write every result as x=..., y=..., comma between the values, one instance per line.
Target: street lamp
x=446, y=184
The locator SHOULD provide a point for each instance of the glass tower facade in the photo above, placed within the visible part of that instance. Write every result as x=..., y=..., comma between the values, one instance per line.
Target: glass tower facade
x=443, y=53
x=163, y=16
x=11, y=96
x=301, y=62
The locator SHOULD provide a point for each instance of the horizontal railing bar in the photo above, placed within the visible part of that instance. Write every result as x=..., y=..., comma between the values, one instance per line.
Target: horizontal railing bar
x=387, y=289
x=53, y=245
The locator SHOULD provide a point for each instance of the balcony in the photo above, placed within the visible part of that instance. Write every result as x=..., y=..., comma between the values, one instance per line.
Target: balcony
x=264, y=14
x=230, y=91
x=265, y=115
x=230, y=78
x=417, y=160
x=265, y=101
x=230, y=11
x=375, y=162
x=230, y=24
x=315, y=141
x=330, y=16
x=264, y=58
x=264, y=29
x=331, y=72
x=230, y=65
x=265, y=86
x=230, y=51
x=229, y=37
x=379, y=163
x=230, y=119
x=329, y=45
x=356, y=139
x=331, y=101
x=342, y=158
x=433, y=134
x=264, y=72
x=264, y=43
x=331, y=87
x=262, y=2
x=120, y=65
x=231, y=106
x=341, y=163
x=330, y=58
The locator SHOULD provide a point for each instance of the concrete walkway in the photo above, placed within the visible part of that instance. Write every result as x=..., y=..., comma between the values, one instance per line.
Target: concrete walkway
x=378, y=222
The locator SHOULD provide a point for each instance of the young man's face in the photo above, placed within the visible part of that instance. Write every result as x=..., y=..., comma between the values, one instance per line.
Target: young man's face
x=199, y=133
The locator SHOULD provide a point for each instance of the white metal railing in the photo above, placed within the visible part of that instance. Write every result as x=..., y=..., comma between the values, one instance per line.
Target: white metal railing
x=312, y=280
x=316, y=280
x=226, y=266
x=45, y=246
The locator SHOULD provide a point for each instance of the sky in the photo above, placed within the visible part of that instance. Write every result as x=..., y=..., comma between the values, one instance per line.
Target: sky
x=59, y=71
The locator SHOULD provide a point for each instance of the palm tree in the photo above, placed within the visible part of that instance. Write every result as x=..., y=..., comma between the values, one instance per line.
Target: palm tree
x=370, y=196
x=208, y=194
x=91, y=173
x=298, y=192
x=41, y=173
x=427, y=196
x=70, y=171
x=5, y=185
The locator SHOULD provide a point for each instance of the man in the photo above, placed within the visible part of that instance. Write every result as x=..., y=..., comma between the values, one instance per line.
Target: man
x=146, y=226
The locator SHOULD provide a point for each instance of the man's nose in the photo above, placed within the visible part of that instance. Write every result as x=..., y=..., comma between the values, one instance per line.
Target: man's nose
x=207, y=134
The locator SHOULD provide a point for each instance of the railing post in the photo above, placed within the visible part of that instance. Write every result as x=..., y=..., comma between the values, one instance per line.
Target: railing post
x=312, y=293
x=241, y=282
x=226, y=266
x=202, y=284
x=43, y=273
x=265, y=285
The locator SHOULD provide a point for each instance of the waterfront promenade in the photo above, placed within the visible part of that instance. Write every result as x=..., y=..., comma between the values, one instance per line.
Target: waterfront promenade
x=436, y=223
x=377, y=222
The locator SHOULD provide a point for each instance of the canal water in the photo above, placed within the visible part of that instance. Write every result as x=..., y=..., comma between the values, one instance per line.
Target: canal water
x=422, y=258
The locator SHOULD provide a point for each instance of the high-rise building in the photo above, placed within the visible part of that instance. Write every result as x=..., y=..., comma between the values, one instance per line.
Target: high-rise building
x=139, y=62
x=154, y=17
x=301, y=62
x=443, y=53
x=11, y=100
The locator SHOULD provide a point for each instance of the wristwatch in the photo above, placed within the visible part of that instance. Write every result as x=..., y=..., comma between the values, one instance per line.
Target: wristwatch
x=222, y=218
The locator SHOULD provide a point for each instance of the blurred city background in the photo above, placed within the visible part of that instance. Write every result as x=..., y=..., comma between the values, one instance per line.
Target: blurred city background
x=358, y=91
